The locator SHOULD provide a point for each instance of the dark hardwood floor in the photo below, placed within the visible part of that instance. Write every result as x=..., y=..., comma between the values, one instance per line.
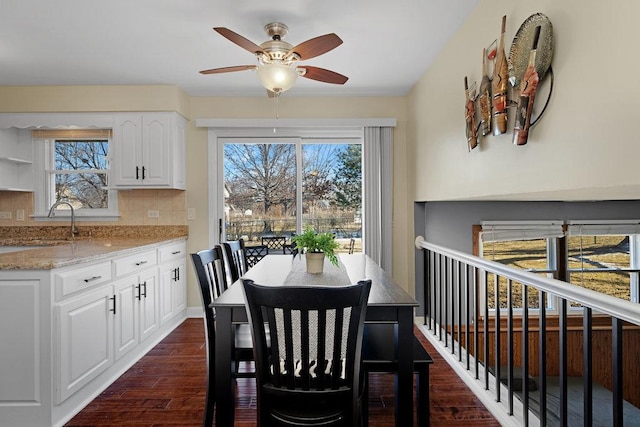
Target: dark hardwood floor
x=167, y=387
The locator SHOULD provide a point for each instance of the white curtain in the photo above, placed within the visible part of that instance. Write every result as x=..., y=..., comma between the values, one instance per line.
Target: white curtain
x=378, y=174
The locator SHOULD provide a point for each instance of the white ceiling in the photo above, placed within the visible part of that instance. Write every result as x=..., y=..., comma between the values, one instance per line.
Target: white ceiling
x=387, y=44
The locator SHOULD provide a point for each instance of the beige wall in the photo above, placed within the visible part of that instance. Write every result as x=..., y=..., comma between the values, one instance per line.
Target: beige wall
x=167, y=98
x=586, y=145
x=294, y=107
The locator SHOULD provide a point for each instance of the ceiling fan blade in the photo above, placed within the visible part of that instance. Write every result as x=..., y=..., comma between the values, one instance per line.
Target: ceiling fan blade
x=229, y=69
x=238, y=39
x=316, y=46
x=323, y=75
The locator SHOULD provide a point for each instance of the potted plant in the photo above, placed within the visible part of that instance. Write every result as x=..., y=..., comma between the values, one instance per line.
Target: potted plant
x=316, y=246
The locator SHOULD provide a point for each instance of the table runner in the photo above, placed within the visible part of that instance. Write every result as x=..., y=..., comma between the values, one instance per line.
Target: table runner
x=331, y=275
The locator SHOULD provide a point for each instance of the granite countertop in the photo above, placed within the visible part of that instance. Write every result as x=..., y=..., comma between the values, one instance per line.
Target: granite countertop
x=55, y=251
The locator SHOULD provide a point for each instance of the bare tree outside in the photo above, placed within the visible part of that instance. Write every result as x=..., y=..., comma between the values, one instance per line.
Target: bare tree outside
x=81, y=173
x=260, y=189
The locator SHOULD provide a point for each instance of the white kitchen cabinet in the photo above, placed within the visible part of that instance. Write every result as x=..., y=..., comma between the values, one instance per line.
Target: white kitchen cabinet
x=85, y=347
x=80, y=327
x=148, y=151
x=16, y=159
x=136, y=317
x=173, y=288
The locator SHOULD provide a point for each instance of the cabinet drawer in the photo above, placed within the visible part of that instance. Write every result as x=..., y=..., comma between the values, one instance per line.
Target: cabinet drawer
x=70, y=281
x=172, y=252
x=134, y=263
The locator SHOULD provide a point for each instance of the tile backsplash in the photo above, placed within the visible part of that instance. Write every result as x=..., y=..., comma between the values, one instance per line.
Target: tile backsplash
x=168, y=207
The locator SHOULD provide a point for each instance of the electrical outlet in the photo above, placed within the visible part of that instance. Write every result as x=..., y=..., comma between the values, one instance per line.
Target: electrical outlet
x=191, y=213
x=5, y=215
x=153, y=214
x=20, y=215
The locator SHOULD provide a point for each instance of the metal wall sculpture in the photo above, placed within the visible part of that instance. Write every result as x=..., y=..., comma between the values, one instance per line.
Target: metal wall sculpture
x=513, y=84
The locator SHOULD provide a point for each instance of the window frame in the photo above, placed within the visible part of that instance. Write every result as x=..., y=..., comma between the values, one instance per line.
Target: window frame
x=44, y=182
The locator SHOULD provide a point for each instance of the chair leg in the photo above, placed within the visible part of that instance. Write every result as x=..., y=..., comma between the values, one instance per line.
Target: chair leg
x=365, y=401
x=210, y=399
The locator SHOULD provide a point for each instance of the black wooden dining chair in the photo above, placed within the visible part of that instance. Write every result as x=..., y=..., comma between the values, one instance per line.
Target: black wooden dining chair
x=275, y=245
x=235, y=259
x=253, y=254
x=208, y=266
x=310, y=374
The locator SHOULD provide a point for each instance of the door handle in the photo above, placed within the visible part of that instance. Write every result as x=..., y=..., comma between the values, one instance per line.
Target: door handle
x=139, y=295
x=113, y=298
x=144, y=284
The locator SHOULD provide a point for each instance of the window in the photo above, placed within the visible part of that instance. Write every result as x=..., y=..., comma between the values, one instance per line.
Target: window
x=603, y=256
x=74, y=167
x=271, y=183
x=531, y=246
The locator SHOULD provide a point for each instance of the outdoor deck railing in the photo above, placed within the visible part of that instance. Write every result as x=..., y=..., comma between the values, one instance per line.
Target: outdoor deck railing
x=528, y=357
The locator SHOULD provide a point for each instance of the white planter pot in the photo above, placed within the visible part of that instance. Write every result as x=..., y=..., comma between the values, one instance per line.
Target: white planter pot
x=315, y=262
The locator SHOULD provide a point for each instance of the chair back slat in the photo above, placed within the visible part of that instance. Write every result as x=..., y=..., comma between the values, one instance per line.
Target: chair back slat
x=235, y=259
x=316, y=340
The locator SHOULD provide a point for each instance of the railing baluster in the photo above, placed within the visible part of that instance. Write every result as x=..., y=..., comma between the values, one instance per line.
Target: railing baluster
x=439, y=291
x=426, y=255
x=459, y=289
x=510, y=343
x=587, y=373
x=452, y=274
x=445, y=302
x=616, y=341
x=486, y=330
x=525, y=354
x=496, y=298
x=432, y=293
x=542, y=356
x=467, y=336
x=476, y=315
x=562, y=337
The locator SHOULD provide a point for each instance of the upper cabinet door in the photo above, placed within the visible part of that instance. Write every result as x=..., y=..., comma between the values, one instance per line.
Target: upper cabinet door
x=155, y=150
x=148, y=151
x=127, y=150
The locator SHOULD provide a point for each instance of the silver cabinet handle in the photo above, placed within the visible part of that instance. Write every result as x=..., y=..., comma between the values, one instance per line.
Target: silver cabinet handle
x=175, y=252
x=141, y=262
x=91, y=279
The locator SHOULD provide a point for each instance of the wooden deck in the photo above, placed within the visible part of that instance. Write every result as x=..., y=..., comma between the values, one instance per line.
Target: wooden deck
x=167, y=387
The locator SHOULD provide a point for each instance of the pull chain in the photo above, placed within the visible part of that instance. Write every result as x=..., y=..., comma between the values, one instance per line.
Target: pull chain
x=275, y=105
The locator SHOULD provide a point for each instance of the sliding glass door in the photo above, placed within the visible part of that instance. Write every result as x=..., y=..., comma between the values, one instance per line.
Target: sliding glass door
x=277, y=187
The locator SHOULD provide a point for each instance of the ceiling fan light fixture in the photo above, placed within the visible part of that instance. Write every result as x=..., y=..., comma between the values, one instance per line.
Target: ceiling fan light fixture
x=277, y=77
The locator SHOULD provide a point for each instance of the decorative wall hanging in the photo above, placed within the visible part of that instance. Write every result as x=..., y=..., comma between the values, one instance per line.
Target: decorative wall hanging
x=514, y=83
x=499, y=86
x=470, y=116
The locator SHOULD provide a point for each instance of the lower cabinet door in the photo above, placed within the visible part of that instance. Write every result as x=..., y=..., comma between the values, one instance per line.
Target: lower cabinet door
x=86, y=340
x=126, y=334
x=149, y=304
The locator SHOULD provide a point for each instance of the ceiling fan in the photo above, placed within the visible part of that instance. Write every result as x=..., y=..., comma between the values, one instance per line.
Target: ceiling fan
x=278, y=60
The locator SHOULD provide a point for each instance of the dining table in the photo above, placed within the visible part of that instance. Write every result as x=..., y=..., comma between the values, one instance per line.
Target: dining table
x=387, y=303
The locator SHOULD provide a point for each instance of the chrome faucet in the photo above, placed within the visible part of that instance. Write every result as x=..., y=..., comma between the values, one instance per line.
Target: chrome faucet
x=74, y=230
